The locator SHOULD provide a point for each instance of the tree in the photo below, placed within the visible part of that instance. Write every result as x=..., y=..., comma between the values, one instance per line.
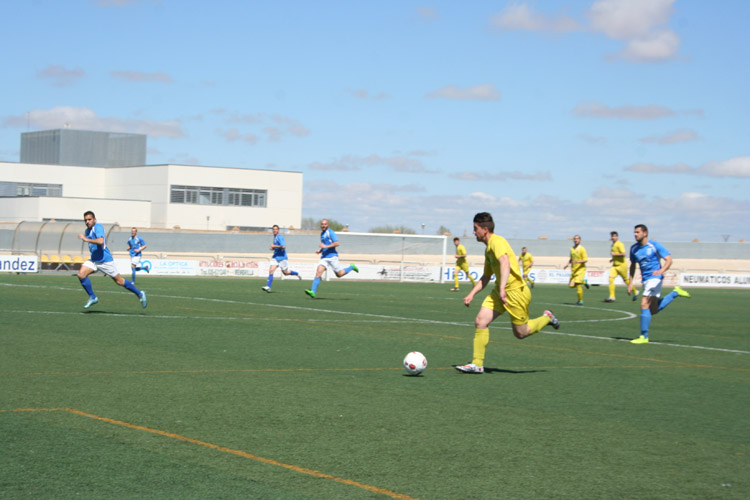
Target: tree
x=443, y=231
x=308, y=223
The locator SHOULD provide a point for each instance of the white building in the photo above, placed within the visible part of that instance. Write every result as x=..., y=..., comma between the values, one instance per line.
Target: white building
x=160, y=196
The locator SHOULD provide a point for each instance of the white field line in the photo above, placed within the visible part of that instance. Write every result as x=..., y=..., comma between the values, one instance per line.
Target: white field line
x=380, y=318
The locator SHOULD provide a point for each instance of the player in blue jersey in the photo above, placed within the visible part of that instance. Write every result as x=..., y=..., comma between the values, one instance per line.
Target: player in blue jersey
x=136, y=246
x=649, y=256
x=101, y=260
x=278, y=259
x=329, y=257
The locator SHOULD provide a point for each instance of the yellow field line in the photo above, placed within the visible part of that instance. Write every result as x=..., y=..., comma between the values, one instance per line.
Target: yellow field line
x=239, y=453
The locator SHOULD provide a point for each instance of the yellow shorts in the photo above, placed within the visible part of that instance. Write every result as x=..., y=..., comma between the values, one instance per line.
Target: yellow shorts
x=518, y=304
x=463, y=267
x=621, y=270
x=579, y=276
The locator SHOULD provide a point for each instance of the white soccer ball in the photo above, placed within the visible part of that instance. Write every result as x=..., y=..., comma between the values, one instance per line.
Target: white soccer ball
x=415, y=363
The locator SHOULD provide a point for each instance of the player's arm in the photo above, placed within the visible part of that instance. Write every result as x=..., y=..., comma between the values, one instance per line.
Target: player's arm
x=666, y=264
x=142, y=247
x=95, y=241
x=480, y=284
x=504, y=261
x=632, y=275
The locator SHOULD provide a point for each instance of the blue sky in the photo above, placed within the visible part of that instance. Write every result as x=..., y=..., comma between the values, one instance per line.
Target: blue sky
x=558, y=117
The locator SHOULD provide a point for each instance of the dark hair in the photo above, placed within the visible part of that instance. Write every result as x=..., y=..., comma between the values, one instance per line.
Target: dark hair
x=613, y=233
x=484, y=219
x=642, y=226
x=275, y=225
x=456, y=239
x=89, y=212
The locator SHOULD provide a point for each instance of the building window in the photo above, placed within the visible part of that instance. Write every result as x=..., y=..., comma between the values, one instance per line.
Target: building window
x=201, y=195
x=30, y=189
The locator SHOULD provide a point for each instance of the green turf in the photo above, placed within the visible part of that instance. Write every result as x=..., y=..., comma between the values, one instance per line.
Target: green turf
x=270, y=387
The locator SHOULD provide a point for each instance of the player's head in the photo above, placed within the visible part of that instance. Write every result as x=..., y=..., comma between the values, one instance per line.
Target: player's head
x=275, y=229
x=523, y=250
x=640, y=232
x=577, y=239
x=89, y=218
x=133, y=232
x=324, y=224
x=456, y=241
x=483, y=226
x=614, y=236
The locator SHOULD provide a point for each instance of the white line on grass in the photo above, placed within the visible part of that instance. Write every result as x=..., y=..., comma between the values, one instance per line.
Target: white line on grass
x=391, y=319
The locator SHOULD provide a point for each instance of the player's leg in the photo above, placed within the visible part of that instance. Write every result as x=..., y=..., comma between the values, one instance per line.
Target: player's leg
x=612, y=276
x=86, y=270
x=665, y=301
x=649, y=307
x=133, y=269
x=269, y=281
x=465, y=268
x=492, y=307
x=456, y=272
x=316, y=282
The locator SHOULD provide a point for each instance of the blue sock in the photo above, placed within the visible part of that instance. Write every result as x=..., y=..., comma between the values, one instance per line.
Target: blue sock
x=665, y=301
x=134, y=270
x=347, y=270
x=293, y=273
x=130, y=286
x=86, y=284
x=270, y=280
x=645, y=321
x=315, y=284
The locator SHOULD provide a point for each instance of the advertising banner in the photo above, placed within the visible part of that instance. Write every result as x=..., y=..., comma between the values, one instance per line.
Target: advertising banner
x=18, y=264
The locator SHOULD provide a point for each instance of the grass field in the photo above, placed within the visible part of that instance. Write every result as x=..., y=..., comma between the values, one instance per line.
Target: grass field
x=219, y=390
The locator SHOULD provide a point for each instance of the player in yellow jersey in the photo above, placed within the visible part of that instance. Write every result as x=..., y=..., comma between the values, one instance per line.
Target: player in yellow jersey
x=577, y=263
x=526, y=260
x=509, y=294
x=461, y=264
x=619, y=265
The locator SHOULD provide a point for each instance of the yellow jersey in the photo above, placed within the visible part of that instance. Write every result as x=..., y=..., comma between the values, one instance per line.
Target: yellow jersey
x=498, y=246
x=618, y=247
x=460, y=250
x=577, y=253
x=526, y=260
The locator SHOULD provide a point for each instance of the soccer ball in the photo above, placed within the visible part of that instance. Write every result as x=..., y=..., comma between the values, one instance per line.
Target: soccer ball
x=415, y=363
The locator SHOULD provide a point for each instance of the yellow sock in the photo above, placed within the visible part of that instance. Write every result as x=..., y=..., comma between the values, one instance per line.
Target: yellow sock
x=473, y=281
x=481, y=339
x=612, y=287
x=455, y=278
x=537, y=324
x=579, y=292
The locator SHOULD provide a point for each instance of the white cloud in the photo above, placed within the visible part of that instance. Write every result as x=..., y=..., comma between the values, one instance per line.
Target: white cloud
x=399, y=163
x=734, y=167
x=82, y=118
x=675, y=137
x=483, y=92
x=653, y=48
x=140, y=76
x=365, y=94
x=502, y=176
x=629, y=19
x=524, y=18
x=427, y=13
x=60, y=75
x=233, y=135
x=274, y=126
x=648, y=112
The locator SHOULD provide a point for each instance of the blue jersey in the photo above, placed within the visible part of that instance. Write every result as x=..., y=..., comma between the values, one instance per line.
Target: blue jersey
x=648, y=257
x=327, y=237
x=99, y=253
x=279, y=254
x=135, y=242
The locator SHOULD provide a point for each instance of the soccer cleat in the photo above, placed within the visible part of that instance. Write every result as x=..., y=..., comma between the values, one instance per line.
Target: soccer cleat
x=455, y=290
x=552, y=319
x=354, y=267
x=635, y=295
x=586, y=284
x=144, y=301
x=91, y=302
x=532, y=284
x=579, y=303
x=470, y=368
x=609, y=299
x=266, y=289
x=299, y=277
x=310, y=293
x=681, y=292
x=640, y=340
x=147, y=269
